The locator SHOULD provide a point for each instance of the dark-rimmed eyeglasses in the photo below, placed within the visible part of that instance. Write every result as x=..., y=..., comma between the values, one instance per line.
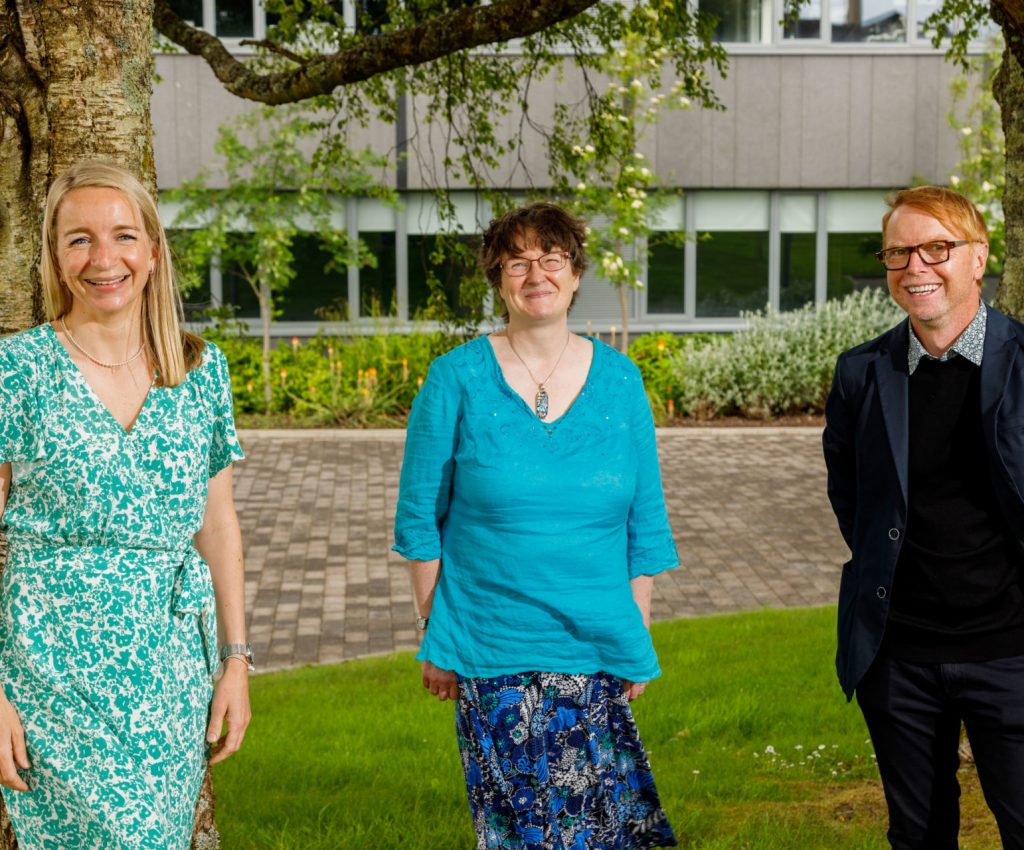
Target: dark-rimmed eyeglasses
x=519, y=266
x=931, y=253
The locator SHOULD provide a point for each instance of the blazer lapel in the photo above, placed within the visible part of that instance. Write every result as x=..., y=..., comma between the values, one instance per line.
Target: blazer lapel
x=892, y=376
x=996, y=363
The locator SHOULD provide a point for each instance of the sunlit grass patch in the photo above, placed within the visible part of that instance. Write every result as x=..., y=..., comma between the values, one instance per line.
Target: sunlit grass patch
x=752, y=743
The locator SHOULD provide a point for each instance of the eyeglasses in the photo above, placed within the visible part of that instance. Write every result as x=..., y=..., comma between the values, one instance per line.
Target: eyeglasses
x=519, y=266
x=931, y=253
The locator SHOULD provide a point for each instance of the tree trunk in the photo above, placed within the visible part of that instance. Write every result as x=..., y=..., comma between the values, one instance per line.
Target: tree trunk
x=75, y=83
x=1008, y=88
x=266, y=318
x=624, y=308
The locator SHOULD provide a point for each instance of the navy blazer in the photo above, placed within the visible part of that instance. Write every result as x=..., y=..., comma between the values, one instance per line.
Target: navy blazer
x=866, y=443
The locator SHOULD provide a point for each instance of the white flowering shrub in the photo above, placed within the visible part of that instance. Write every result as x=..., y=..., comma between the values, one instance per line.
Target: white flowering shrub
x=781, y=363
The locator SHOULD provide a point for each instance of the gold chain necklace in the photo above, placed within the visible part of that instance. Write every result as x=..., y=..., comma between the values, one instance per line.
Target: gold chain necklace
x=540, y=405
x=96, y=360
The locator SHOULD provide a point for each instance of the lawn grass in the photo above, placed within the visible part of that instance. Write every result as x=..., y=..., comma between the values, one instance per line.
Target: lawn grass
x=752, y=743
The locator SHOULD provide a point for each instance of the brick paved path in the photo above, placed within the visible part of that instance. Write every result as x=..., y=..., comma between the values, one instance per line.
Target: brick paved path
x=747, y=506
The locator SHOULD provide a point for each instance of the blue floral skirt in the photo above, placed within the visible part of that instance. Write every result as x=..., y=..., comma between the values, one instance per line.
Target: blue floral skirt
x=554, y=762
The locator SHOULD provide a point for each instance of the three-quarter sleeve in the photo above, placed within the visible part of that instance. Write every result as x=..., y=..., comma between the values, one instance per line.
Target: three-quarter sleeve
x=15, y=407
x=430, y=444
x=650, y=547
x=224, y=447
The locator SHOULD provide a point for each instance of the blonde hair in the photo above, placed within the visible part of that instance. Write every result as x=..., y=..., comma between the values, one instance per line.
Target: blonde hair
x=173, y=351
x=955, y=212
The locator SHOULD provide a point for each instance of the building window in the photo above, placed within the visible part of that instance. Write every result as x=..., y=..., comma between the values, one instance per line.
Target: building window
x=428, y=261
x=732, y=273
x=852, y=265
x=377, y=286
x=741, y=21
x=190, y=11
x=796, y=270
x=235, y=18
x=200, y=298
x=823, y=21
x=797, y=252
x=665, y=269
x=868, y=20
x=224, y=18
x=318, y=284
x=732, y=252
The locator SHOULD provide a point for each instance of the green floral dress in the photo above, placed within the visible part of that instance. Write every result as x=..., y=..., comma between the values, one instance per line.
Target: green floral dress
x=108, y=635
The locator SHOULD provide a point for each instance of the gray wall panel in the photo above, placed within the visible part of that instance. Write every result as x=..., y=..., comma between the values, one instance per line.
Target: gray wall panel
x=928, y=114
x=893, y=134
x=828, y=143
x=792, y=124
x=757, y=110
x=793, y=121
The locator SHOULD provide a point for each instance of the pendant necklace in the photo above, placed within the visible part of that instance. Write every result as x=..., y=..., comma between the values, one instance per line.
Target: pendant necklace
x=96, y=360
x=540, y=405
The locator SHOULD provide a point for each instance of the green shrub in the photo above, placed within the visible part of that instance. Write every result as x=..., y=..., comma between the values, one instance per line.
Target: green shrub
x=354, y=381
x=781, y=363
x=655, y=355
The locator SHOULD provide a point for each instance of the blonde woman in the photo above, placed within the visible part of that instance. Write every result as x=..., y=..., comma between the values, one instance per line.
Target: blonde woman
x=116, y=444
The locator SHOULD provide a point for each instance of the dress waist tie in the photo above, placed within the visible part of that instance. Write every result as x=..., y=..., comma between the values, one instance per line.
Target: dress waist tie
x=193, y=594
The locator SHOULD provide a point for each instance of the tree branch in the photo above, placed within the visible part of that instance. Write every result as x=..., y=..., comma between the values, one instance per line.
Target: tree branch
x=456, y=30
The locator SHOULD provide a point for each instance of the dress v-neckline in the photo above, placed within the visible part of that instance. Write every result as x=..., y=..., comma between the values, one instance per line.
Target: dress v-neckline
x=93, y=395
x=524, y=405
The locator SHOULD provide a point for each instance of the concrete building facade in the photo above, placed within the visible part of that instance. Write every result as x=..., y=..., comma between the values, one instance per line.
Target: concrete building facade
x=784, y=187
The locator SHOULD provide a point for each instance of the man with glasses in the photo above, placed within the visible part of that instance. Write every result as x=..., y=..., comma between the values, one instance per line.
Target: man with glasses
x=924, y=444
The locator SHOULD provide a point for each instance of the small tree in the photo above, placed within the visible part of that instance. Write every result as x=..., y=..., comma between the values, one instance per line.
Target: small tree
x=596, y=161
x=275, y=191
x=981, y=171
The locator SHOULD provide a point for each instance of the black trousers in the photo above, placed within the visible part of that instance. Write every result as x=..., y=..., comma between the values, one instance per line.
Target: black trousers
x=913, y=712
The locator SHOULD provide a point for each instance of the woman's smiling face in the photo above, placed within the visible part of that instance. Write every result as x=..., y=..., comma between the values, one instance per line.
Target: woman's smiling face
x=538, y=294
x=103, y=251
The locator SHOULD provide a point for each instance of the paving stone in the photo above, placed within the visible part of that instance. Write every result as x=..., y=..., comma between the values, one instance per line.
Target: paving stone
x=747, y=505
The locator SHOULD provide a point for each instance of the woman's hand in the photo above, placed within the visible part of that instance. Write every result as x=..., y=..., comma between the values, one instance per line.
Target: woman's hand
x=230, y=704
x=633, y=689
x=12, y=747
x=443, y=684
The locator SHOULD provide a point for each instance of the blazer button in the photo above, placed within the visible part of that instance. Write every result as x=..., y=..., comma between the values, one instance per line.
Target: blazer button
x=880, y=593
x=894, y=534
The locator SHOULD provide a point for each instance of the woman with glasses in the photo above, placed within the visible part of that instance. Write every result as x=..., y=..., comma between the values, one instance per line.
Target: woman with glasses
x=532, y=511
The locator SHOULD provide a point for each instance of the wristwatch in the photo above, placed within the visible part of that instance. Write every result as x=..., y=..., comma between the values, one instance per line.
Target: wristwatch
x=243, y=649
x=421, y=623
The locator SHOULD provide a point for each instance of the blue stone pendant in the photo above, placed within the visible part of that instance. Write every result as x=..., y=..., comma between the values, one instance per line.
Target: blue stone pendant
x=541, y=405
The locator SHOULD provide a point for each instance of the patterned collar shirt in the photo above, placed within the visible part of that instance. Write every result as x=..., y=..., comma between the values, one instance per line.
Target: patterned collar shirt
x=970, y=344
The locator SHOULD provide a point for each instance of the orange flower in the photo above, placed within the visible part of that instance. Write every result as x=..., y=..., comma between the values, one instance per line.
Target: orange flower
x=295, y=343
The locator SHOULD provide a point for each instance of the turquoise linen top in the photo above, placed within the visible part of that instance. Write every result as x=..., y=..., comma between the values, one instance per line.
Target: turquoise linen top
x=539, y=526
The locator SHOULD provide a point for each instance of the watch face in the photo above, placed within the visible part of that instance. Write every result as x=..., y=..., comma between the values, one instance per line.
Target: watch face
x=421, y=623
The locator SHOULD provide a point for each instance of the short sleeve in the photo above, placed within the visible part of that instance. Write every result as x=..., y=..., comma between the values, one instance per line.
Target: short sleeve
x=224, y=447
x=428, y=465
x=15, y=406
x=650, y=547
